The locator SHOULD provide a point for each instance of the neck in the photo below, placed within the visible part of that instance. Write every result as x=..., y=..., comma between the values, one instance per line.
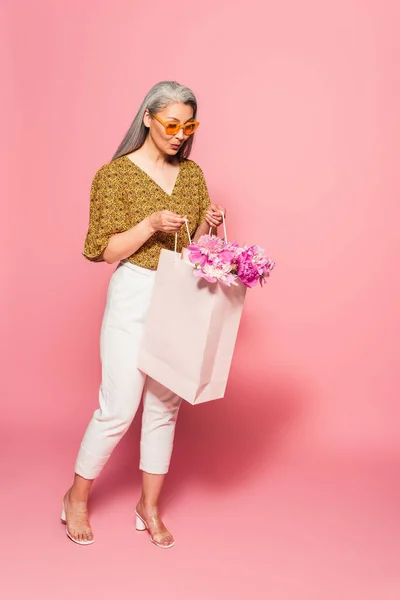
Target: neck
x=152, y=154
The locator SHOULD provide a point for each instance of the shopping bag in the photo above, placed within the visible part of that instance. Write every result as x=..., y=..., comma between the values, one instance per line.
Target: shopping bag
x=190, y=331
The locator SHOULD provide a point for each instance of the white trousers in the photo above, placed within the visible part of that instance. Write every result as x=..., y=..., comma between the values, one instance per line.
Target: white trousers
x=123, y=385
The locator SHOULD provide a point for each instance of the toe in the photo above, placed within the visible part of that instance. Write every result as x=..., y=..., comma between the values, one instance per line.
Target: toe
x=166, y=540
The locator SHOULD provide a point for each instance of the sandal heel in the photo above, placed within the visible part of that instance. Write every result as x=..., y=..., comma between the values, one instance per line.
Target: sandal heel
x=140, y=524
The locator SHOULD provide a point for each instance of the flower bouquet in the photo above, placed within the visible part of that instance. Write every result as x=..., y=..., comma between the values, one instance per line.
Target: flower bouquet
x=215, y=259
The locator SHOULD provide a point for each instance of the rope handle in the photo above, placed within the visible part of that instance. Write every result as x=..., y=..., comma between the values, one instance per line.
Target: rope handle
x=189, y=236
x=224, y=224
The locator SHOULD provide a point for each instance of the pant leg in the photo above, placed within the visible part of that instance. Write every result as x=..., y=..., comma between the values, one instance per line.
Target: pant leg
x=160, y=412
x=122, y=383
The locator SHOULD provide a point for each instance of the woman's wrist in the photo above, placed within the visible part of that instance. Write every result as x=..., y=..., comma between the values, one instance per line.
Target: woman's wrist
x=202, y=229
x=149, y=225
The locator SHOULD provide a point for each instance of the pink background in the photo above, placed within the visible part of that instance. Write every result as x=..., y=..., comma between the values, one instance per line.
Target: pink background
x=289, y=484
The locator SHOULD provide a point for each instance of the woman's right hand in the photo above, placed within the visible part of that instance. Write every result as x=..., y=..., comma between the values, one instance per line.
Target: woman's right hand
x=167, y=221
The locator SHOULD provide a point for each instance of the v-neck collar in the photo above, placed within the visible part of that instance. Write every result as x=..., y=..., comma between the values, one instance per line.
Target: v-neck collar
x=153, y=180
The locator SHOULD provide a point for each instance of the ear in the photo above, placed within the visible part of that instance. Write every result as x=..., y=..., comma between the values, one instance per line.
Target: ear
x=146, y=118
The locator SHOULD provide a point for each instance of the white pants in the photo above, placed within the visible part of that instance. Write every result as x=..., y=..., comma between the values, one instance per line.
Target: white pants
x=123, y=385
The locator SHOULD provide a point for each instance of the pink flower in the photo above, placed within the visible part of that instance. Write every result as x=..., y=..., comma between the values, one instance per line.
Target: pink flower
x=196, y=257
x=210, y=245
x=208, y=249
x=216, y=260
x=267, y=270
x=247, y=272
x=216, y=272
x=234, y=248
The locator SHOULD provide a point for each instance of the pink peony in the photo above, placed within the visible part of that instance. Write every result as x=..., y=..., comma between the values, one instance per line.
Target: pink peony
x=267, y=270
x=196, y=257
x=209, y=245
x=216, y=260
x=235, y=249
x=216, y=272
x=208, y=249
x=247, y=272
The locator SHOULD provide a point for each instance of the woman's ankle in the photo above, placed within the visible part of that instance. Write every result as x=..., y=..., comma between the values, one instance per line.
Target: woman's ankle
x=80, y=489
x=73, y=495
x=148, y=507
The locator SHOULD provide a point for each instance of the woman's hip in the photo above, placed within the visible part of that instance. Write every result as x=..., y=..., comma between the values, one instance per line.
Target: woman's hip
x=128, y=296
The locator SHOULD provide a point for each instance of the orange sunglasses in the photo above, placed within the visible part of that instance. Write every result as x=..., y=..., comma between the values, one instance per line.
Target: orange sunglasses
x=173, y=128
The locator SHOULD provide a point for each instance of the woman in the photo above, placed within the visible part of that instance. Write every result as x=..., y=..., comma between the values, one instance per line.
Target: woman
x=138, y=202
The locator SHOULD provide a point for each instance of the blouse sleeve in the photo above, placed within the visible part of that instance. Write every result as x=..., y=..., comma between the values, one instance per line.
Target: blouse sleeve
x=107, y=214
x=204, y=200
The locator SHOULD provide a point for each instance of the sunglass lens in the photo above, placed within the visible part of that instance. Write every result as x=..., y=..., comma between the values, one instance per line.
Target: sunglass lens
x=190, y=128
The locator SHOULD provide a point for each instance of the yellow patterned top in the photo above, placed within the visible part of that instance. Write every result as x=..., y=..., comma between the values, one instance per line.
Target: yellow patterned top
x=122, y=195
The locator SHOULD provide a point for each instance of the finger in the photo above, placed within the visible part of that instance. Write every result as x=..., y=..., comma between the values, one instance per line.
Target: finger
x=174, y=221
x=214, y=217
x=213, y=223
x=174, y=217
x=216, y=208
x=175, y=225
x=220, y=210
x=169, y=213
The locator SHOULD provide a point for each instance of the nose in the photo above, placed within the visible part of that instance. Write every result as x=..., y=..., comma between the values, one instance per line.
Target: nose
x=180, y=135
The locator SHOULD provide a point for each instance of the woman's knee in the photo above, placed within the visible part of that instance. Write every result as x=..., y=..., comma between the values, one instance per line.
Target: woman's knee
x=119, y=414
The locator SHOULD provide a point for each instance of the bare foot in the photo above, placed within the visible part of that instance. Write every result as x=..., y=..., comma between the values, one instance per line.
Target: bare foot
x=158, y=532
x=78, y=526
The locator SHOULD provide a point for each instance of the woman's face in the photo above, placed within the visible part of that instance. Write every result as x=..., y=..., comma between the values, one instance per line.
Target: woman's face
x=175, y=113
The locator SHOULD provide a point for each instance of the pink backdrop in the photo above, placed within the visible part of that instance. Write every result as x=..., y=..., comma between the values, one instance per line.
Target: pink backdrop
x=298, y=139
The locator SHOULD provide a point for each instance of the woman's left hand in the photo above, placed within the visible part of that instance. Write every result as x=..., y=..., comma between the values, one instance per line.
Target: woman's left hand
x=214, y=216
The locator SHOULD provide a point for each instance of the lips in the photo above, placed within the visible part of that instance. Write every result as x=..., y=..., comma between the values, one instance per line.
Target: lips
x=175, y=146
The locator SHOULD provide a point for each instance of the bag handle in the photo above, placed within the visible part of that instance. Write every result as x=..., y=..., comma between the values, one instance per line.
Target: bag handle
x=189, y=236
x=224, y=224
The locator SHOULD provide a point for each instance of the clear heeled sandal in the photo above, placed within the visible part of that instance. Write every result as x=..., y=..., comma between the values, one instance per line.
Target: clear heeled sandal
x=64, y=521
x=141, y=525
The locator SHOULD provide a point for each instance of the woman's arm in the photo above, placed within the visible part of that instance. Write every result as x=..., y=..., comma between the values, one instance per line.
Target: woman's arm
x=210, y=214
x=122, y=245
x=203, y=229
x=213, y=220
x=110, y=237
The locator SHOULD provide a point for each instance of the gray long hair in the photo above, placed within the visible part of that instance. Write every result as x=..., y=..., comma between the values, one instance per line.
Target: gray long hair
x=160, y=96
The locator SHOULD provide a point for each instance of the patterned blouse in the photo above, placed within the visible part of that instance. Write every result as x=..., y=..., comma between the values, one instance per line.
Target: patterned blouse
x=122, y=195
